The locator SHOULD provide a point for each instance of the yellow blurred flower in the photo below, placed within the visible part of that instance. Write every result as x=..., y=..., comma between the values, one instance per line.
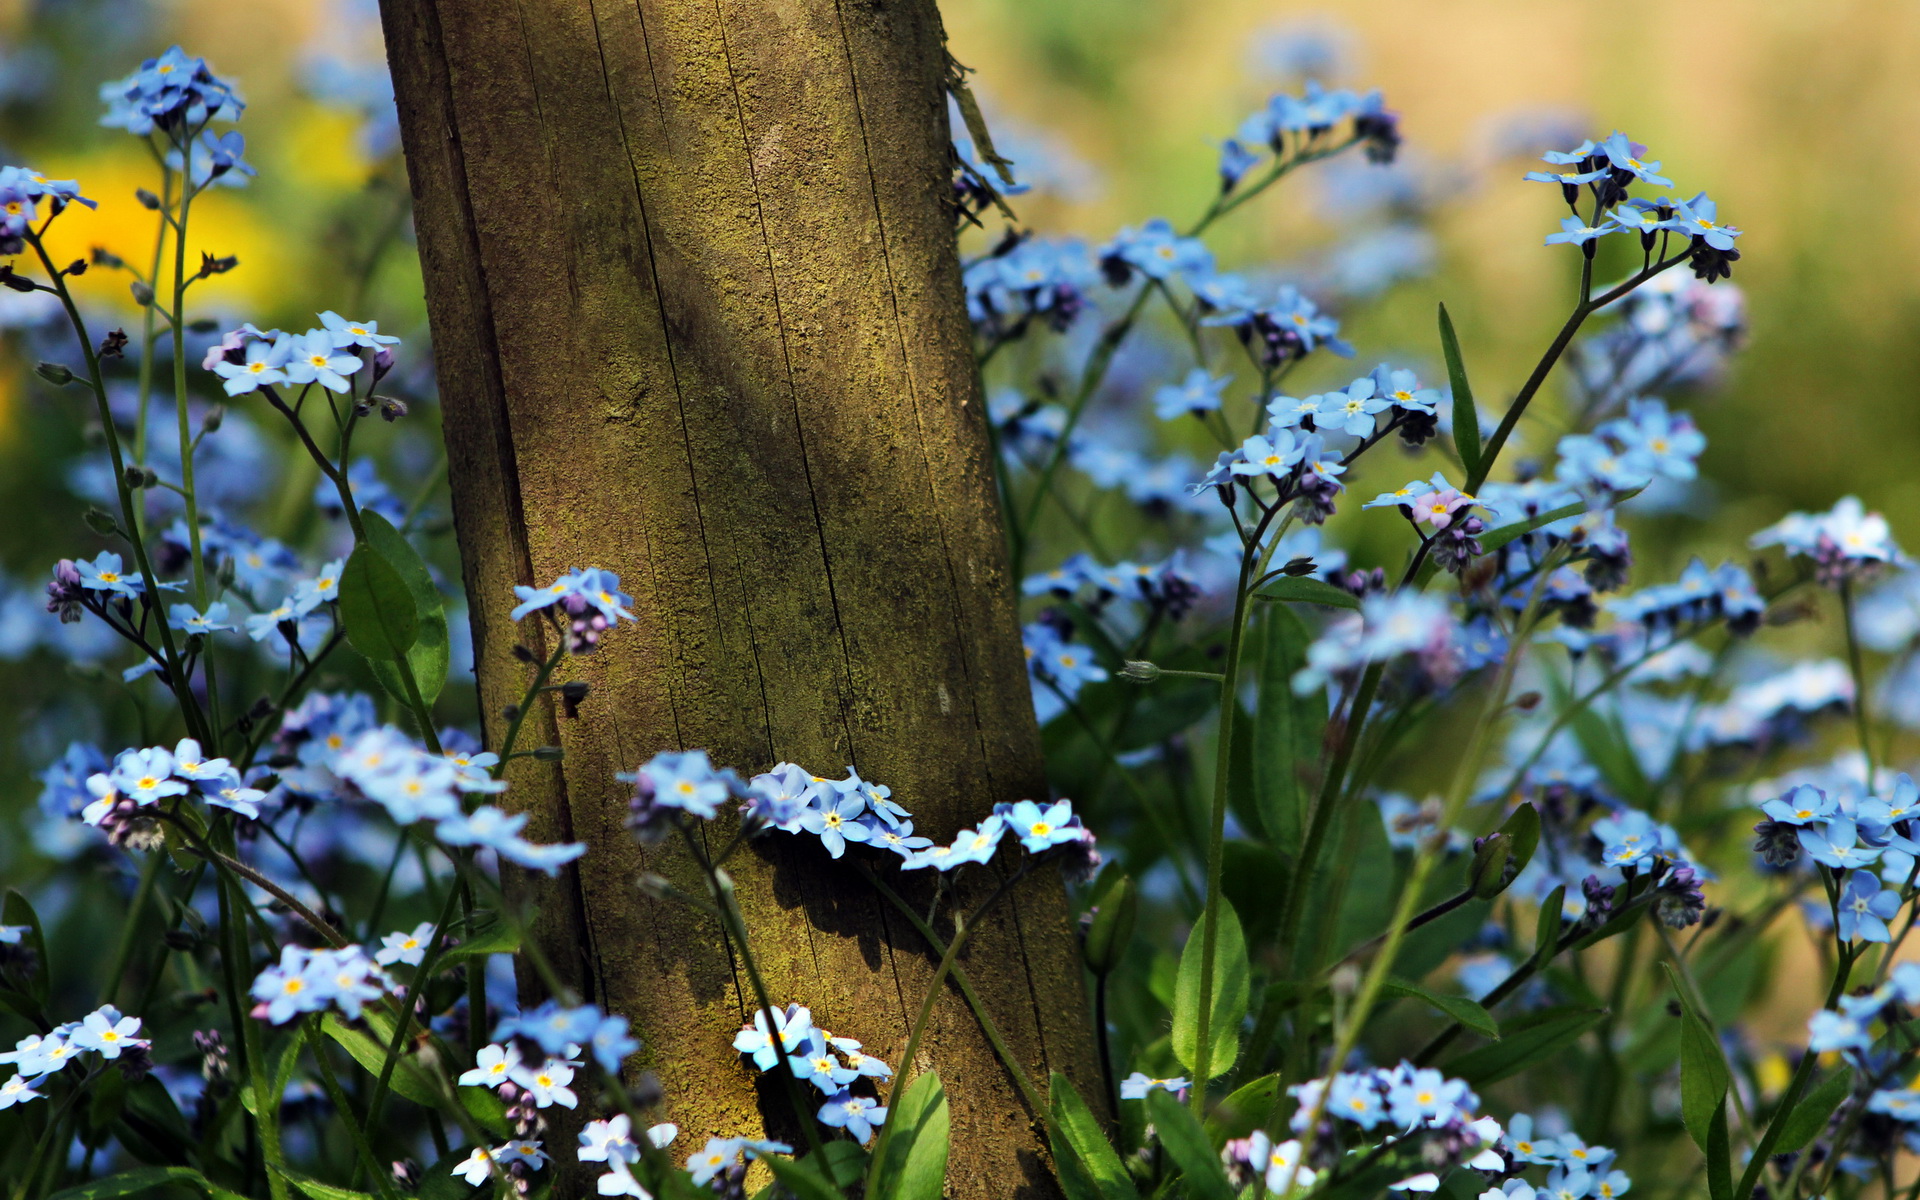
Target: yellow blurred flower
x=222, y=222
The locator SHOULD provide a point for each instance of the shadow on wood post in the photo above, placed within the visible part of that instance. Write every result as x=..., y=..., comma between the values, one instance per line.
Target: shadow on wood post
x=697, y=319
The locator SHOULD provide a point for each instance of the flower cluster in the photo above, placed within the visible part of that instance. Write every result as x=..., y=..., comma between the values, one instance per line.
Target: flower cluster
x=1607, y=170
x=611, y=1142
x=584, y=604
x=1387, y=626
x=143, y=778
x=836, y=1066
x=1057, y=667
x=311, y=981
x=249, y=358
x=38, y=1057
x=175, y=93
x=22, y=191
x=1845, y=543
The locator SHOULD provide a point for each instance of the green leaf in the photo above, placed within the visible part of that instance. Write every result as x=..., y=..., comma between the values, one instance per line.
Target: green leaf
x=916, y=1162
x=501, y=937
x=842, y=1163
x=1229, y=1001
x=316, y=1190
x=375, y=606
x=1075, y=1129
x=1304, y=589
x=1466, y=418
x=1461, y=1009
x=1247, y=1108
x=1187, y=1144
x=1524, y=1041
x=19, y=911
x=1809, y=1117
x=408, y=1079
x=1493, y=539
x=1719, y=1155
x=1704, y=1077
x=138, y=1183
x=1546, y=930
x=803, y=1179
x=1286, y=730
x=1523, y=826
x=431, y=653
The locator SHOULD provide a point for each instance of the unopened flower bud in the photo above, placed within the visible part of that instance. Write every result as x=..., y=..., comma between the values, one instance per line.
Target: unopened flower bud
x=147, y=199
x=216, y=417
x=1489, y=871
x=549, y=754
x=1139, y=671
x=54, y=373
x=142, y=293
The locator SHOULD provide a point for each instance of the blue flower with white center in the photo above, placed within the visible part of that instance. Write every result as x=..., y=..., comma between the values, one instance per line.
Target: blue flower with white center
x=1901, y=1103
x=262, y=364
x=1401, y=496
x=1640, y=216
x=146, y=776
x=533, y=599
x=1668, y=440
x=285, y=989
x=1829, y=1031
x=552, y=1026
x=716, y=1156
x=1039, y=828
x=547, y=1083
x=1200, y=392
x=859, y=1062
x=105, y=574
x=815, y=1062
x=108, y=1032
x=978, y=845
x=39, y=1055
x=1624, y=155
x=1272, y=455
x=492, y=1067
x=779, y=796
x=403, y=946
x=1137, y=1085
x=19, y=1090
x=312, y=358
x=1900, y=804
x=1287, y=412
x=310, y=594
x=1569, y=1181
x=1356, y=1098
x=1401, y=388
x=174, y=91
x=612, y=1042
x=344, y=333
x=1627, y=838
x=1865, y=908
x=190, y=619
x=1352, y=411
x=1525, y=1146
x=601, y=589
x=858, y=1115
x=1803, y=805
x=774, y=1033
x=1426, y=1097
x=900, y=839
x=264, y=625
x=878, y=797
x=1575, y=232
x=1836, y=843
x=686, y=780
x=837, y=822
x=1697, y=218
x=1157, y=252
x=1586, y=459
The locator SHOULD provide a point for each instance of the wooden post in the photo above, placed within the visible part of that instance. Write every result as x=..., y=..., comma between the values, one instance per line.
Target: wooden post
x=697, y=318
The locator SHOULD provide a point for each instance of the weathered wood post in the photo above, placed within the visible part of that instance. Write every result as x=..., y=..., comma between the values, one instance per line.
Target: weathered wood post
x=697, y=317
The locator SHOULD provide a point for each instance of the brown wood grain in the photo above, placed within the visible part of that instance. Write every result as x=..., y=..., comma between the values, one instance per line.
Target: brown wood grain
x=697, y=319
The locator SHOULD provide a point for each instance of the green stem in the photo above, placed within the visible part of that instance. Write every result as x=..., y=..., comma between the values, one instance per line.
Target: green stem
x=1587, y=307
x=189, y=706
x=1790, y=1099
x=356, y=1132
x=123, y=953
x=178, y=323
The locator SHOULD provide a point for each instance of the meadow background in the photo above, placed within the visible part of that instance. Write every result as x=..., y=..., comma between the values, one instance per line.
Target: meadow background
x=1793, y=113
